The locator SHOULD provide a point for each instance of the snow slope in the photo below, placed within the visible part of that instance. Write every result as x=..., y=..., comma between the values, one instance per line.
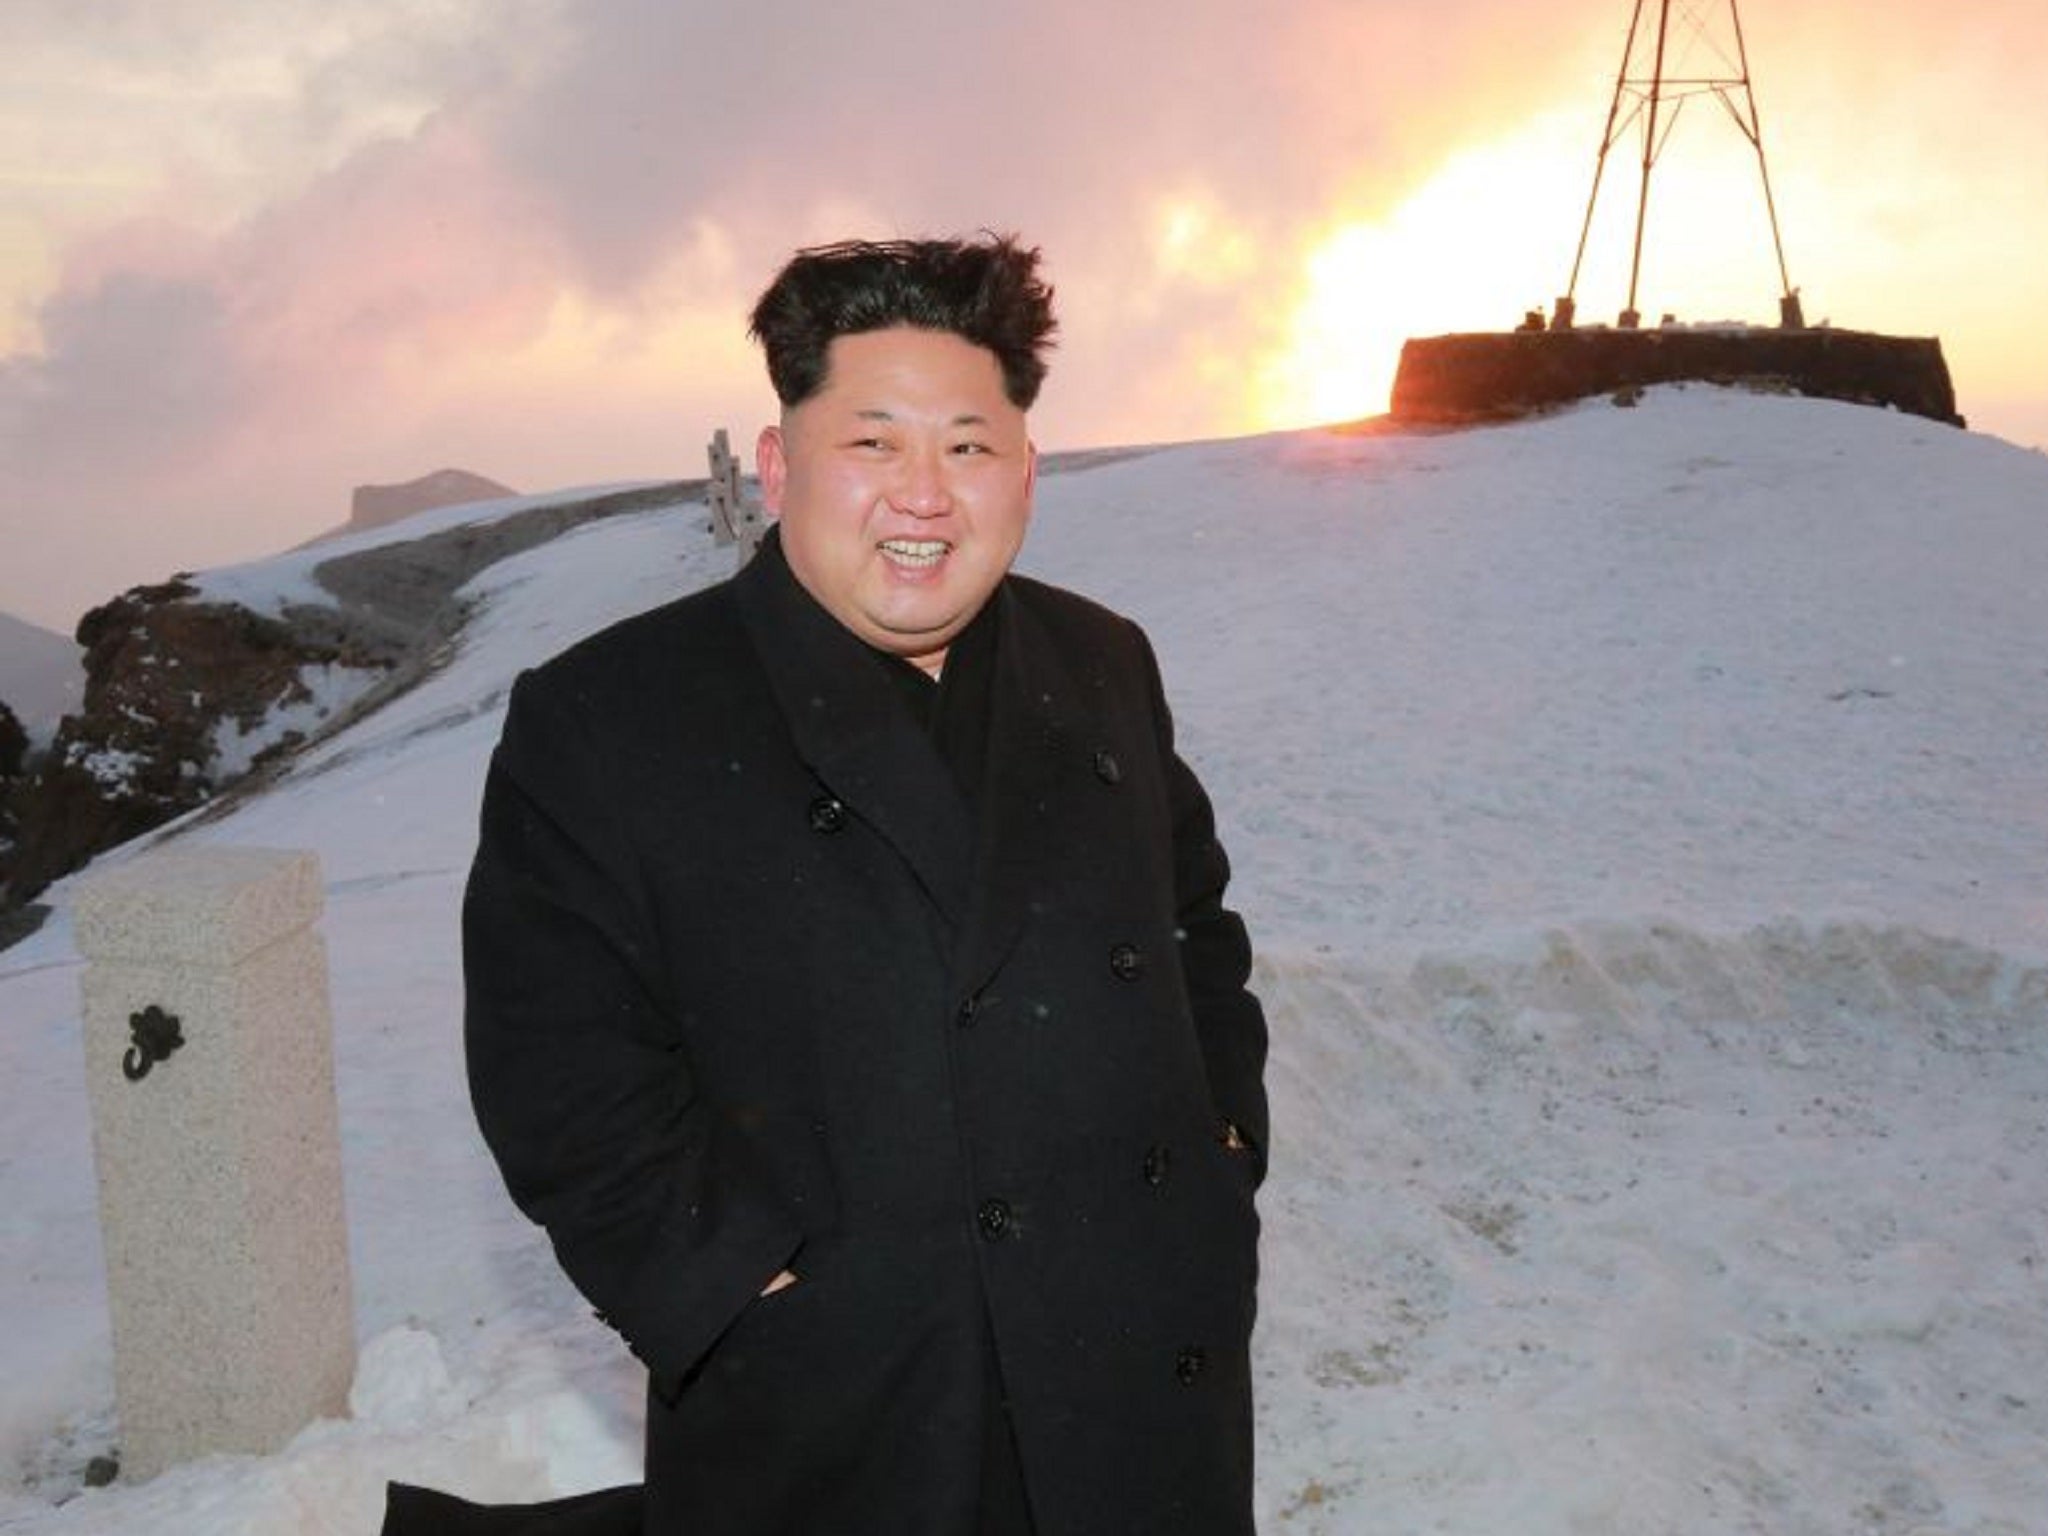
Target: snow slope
x=271, y=585
x=1642, y=817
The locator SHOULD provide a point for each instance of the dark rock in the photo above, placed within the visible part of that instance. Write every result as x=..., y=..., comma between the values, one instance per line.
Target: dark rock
x=17, y=923
x=13, y=755
x=13, y=744
x=165, y=672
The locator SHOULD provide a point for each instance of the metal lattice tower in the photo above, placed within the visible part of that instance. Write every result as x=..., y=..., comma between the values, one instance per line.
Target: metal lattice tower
x=1658, y=77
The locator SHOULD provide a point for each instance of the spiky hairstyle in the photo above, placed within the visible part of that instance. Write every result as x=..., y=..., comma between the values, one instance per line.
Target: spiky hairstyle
x=986, y=291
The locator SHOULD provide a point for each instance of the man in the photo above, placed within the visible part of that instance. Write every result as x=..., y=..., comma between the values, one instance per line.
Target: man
x=850, y=993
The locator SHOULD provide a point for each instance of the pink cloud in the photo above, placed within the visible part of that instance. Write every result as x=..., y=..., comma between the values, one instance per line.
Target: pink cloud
x=235, y=383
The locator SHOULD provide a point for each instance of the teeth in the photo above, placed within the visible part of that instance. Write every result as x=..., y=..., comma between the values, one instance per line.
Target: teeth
x=915, y=551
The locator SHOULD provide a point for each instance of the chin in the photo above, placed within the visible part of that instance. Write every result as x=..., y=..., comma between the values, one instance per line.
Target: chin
x=898, y=641
x=912, y=622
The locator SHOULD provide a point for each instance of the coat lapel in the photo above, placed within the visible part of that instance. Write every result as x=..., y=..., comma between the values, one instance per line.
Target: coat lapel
x=852, y=731
x=1037, y=710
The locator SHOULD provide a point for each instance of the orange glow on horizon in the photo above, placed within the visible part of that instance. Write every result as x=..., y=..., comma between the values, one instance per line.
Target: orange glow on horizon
x=1433, y=263
x=1490, y=235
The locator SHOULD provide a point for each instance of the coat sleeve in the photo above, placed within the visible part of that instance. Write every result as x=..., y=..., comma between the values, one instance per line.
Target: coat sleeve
x=578, y=1072
x=1215, y=950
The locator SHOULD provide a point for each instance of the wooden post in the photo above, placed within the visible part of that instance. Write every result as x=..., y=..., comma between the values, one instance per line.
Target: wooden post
x=210, y=1071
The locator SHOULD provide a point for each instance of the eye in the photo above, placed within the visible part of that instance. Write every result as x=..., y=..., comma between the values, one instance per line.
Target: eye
x=972, y=448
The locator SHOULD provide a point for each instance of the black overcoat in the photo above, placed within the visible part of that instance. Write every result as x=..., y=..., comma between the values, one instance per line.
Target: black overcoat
x=749, y=987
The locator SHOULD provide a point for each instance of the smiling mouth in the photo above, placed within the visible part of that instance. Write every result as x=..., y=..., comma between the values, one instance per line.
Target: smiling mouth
x=916, y=554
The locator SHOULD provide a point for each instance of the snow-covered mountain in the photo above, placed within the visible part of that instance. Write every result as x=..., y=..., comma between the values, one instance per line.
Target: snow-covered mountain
x=40, y=673
x=1642, y=816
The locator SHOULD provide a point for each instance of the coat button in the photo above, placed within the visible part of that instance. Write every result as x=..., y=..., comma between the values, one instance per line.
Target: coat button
x=1107, y=768
x=1126, y=962
x=993, y=1218
x=827, y=814
x=965, y=1014
x=1157, y=1161
x=1189, y=1363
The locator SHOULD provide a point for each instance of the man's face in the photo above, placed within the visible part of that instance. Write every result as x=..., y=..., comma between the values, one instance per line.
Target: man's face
x=903, y=486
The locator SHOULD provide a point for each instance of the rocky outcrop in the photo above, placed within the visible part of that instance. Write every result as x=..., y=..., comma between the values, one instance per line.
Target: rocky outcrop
x=13, y=758
x=176, y=689
x=13, y=744
x=13, y=765
x=185, y=697
x=1493, y=375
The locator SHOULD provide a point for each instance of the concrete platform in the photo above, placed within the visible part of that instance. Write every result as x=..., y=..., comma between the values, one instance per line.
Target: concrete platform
x=1493, y=375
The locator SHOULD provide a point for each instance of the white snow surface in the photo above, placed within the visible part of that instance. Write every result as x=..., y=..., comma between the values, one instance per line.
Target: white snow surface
x=328, y=689
x=269, y=586
x=1642, y=816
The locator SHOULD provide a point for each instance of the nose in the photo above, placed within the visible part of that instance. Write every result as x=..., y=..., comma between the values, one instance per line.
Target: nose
x=921, y=488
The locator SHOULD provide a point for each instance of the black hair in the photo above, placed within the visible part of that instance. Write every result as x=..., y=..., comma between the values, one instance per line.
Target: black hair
x=986, y=291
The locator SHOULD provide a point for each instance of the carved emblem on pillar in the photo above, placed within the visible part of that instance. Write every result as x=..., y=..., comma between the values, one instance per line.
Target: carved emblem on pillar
x=155, y=1035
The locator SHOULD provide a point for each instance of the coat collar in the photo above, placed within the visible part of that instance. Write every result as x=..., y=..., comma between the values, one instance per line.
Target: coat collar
x=851, y=730
x=860, y=742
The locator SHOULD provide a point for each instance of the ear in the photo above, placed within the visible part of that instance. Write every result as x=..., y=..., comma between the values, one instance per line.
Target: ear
x=1030, y=470
x=772, y=466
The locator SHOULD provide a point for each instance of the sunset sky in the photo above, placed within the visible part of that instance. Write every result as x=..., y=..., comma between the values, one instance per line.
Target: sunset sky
x=254, y=255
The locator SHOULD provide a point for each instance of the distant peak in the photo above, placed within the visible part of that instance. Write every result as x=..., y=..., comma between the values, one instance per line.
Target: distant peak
x=373, y=506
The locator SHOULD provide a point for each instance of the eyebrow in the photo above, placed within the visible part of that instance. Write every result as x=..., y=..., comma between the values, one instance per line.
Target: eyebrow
x=966, y=419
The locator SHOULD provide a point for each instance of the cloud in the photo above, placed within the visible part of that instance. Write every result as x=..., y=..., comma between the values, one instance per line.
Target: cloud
x=89, y=404
x=640, y=159
x=522, y=234
x=160, y=345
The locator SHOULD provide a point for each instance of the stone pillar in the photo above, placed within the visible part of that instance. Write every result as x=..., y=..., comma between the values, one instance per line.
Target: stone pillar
x=210, y=1070
x=733, y=520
